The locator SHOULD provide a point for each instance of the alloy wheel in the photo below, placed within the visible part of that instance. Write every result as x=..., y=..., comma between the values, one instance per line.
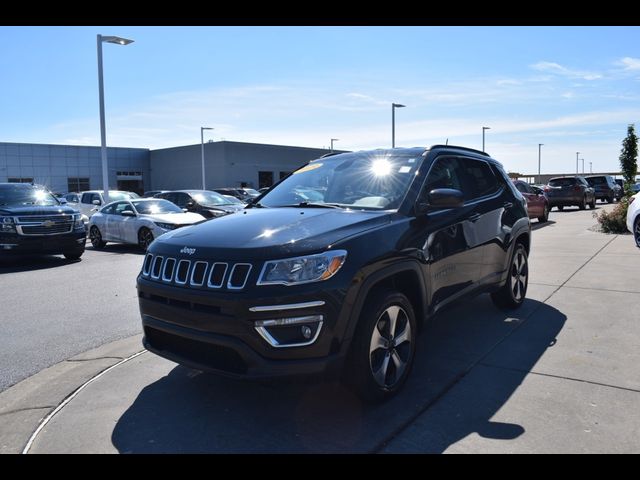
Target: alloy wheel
x=636, y=232
x=390, y=346
x=519, y=274
x=145, y=237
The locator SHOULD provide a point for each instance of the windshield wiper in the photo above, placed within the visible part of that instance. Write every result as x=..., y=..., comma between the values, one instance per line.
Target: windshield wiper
x=255, y=205
x=314, y=205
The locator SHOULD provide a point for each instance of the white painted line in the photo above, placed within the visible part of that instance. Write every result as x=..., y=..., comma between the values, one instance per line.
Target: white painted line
x=73, y=395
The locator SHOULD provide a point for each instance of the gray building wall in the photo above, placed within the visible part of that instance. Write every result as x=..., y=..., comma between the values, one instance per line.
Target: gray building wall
x=53, y=165
x=227, y=164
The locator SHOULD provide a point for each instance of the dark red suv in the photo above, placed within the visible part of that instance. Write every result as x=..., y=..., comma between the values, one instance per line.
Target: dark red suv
x=537, y=203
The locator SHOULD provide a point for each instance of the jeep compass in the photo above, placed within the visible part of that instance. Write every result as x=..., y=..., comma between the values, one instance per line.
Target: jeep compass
x=339, y=282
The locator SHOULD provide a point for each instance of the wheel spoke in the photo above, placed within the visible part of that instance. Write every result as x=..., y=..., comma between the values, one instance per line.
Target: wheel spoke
x=398, y=362
x=381, y=374
x=377, y=340
x=392, y=312
x=516, y=289
x=404, y=336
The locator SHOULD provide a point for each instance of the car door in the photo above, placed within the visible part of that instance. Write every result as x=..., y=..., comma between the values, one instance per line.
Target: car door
x=128, y=226
x=114, y=221
x=450, y=246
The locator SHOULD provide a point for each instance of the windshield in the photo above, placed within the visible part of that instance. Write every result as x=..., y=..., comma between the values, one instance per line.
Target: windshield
x=117, y=196
x=156, y=207
x=233, y=200
x=21, y=195
x=206, y=197
x=373, y=180
x=251, y=191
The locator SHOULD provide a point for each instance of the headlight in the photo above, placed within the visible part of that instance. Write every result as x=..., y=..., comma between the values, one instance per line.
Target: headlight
x=7, y=225
x=166, y=226
x=78, y=221
x=307, y=269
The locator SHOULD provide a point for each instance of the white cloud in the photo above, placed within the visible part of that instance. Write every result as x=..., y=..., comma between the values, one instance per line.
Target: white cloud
x=629, y=63
x=558, y=69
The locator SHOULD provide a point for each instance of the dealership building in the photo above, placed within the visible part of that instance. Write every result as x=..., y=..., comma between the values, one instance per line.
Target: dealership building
x=69, y=168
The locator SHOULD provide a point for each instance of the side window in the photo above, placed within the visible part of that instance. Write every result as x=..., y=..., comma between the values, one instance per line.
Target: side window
x=478, y=179
x=521, y=187
x=94, y=196
x=86, y=198
x=109, y=210
x=182, y=199
x=120, y=207
x=443, y=174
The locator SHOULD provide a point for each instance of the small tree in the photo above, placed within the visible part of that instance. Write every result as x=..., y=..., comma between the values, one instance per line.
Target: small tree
x=629, y=156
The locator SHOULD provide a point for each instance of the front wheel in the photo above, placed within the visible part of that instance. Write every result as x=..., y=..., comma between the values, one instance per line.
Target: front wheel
x=592, y=204
x=583, y=204
x=96, y=238
x=560, y=208
x=145, y=237
x=636, y=231
x=383, y=348
x=74, y=254
x=514, y=291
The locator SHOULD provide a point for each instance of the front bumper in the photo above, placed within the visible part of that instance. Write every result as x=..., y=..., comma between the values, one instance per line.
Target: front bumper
x=14, y=244
x=216, y=331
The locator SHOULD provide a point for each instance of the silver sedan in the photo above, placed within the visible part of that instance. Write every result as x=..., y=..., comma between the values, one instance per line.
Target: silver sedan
x=138, y=221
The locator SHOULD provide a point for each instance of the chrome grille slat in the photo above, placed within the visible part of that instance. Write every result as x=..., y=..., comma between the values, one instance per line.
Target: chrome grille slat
x=196, y=273
x=44, y=218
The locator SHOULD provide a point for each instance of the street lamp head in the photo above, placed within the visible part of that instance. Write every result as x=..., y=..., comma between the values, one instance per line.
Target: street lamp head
x=486, y=128
x=398, y=105
x=206, y=128
x=117, y=40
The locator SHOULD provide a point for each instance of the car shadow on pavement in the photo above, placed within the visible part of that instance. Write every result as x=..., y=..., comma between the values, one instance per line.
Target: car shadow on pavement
x=27, y=263
x=539, y=225
x=190, y=412
x=117, y=248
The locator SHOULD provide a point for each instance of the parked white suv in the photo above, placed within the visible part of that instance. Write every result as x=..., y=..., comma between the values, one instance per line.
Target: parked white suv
x=91, y=200
x=633, y=218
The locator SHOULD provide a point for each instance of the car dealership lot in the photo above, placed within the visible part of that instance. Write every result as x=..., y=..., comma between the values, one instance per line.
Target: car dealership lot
x=558, y=375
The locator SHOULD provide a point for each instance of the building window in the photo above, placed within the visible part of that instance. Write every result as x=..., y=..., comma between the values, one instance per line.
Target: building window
x=283, y=174
x=265, y=179
x=19, y=180
x=78, y=184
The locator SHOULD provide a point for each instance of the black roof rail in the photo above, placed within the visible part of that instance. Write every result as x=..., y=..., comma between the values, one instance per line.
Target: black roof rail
x=330, y=154
x=480, y=152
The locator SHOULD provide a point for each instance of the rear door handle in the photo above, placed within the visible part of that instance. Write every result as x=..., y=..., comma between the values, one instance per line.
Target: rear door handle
x=508, y=205
x=474, y=217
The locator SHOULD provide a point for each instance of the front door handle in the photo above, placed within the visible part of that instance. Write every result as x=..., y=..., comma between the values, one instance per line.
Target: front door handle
x=474, y=217
x=508, y=204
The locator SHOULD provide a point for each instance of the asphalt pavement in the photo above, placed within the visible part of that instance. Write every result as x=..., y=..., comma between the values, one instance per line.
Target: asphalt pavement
x=559, y=375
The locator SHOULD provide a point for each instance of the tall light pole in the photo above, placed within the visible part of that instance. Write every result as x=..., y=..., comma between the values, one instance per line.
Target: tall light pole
x=103, y=133
x=202, y=129
x=483, y=129
x=582, y=160
x=590, y=167
x=539, y=152
x=393, y=122
x=333, y=140
x=577, y=153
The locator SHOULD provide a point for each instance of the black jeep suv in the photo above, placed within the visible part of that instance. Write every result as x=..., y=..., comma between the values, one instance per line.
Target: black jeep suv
x=297, y=287
x=32, y=221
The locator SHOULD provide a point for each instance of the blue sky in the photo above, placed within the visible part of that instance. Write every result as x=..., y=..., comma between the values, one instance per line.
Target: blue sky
x=570, y=88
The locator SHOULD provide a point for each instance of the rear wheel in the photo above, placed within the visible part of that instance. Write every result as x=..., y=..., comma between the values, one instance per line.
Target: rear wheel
x=610, y=199
x=545, y=214
x=583, y=204
x=145, y=237
x=514, y=291
x=636, y=231
x=592, y=204
x=560, y=208
x=96, y=238
x=383, y=348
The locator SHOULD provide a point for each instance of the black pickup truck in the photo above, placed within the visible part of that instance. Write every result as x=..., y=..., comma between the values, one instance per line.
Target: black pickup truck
x=33, y=221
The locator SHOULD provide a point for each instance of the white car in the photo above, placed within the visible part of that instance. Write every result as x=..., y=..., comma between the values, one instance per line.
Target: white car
x=137, y=221
x=633, y=218
x=89, y=202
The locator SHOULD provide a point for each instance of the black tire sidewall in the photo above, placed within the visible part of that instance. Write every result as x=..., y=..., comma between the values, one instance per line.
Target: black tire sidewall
x=143, y=232
x=359, y=372
x=636, y=237
x=99, y=243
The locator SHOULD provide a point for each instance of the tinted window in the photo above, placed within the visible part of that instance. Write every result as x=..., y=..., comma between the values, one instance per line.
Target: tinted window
x=156, y=207
x=120, y=207
x=109, y=209
x=443, y=174
x=478, y=178
x=522, y=187
x=25, y=195
x=562, y=182
x=180, y=199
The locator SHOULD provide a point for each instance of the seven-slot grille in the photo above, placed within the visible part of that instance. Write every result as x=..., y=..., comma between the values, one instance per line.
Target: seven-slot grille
x=44, y=224
x=196, y=273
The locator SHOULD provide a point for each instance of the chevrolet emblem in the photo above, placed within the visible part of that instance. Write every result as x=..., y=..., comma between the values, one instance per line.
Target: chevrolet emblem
x=48, y=223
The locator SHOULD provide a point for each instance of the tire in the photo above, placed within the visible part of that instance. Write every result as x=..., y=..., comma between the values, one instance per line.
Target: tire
x=145, y=237
x=610, y=199
x=74, y=254
x=636, y=231
x=592, y=204
x=512, y=294
x=378, y=366
x=96, y=238
x=560, y=208
x=545, y=214
x=583, y=205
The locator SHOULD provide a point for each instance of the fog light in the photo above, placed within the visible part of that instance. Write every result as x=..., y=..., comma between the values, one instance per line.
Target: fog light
x=290, y=332
x=306, y=332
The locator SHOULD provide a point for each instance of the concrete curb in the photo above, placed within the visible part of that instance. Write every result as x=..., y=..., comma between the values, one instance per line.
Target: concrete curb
x=26, y=404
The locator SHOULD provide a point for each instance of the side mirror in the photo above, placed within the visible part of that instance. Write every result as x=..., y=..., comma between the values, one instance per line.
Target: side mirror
x=128, y=213
x=63, y=201
x=185, y=210
x=97, y=202
x=190, y=204
x=441, y=198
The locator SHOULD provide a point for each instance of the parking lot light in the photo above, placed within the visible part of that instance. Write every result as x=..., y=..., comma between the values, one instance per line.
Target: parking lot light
x=393, y=122
x=202, y=129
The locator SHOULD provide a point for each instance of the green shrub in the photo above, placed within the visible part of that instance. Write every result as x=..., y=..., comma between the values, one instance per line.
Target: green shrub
x=614, y=221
